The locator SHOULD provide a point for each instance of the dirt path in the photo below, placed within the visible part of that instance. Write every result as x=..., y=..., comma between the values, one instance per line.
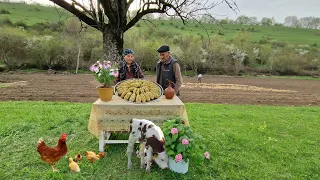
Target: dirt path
x=214, y=89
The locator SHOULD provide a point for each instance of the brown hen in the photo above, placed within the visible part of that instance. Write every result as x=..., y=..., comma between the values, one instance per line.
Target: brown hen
x=51, y=155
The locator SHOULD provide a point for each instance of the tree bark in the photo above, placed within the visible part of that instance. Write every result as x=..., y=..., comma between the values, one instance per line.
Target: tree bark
x=78, y=60
x=112, y=44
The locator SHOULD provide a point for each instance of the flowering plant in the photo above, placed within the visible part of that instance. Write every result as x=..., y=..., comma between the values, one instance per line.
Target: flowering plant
x=104, y=72
x=181, y=142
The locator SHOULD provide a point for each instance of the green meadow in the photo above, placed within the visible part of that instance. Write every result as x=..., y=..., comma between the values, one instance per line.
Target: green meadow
x=245, y=142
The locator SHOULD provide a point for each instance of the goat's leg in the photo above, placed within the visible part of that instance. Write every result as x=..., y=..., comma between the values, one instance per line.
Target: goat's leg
x=130, y=147
x=149, y=158
x=141, y=153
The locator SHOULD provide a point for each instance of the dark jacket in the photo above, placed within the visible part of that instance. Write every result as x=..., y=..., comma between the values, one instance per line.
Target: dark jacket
x=165, y=72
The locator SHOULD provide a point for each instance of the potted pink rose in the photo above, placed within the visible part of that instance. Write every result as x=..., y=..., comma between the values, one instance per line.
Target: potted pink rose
x=181, y=146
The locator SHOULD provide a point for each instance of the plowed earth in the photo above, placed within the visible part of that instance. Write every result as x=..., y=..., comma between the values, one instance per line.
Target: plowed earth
x=213, y=89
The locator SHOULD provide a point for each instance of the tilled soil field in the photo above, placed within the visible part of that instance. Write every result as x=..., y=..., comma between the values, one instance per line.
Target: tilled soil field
x=213, y=89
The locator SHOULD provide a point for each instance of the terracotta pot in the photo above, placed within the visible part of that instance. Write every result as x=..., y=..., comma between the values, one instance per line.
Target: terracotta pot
x=169, y=92
x=105, y=94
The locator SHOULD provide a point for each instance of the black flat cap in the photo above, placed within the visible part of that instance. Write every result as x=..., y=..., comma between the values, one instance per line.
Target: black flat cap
x=163, y=48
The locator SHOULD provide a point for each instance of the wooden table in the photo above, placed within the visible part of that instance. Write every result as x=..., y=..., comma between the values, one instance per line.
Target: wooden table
x=115, y=115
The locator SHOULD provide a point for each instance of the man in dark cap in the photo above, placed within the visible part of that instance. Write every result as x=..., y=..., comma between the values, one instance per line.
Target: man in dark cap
x=168, y=68
x=128, y=67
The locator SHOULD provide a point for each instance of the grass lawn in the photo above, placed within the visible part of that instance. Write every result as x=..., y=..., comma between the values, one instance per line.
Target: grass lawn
x=245, y=142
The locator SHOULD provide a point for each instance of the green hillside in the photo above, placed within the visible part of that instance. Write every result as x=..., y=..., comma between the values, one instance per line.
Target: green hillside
x=228, y=31
x=32, y=14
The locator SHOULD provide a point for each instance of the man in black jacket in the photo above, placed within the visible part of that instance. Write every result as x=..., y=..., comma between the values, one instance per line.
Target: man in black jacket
x=168, y=69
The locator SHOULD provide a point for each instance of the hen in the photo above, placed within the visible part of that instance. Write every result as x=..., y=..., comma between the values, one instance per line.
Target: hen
x=51, y=155
x=91, y=156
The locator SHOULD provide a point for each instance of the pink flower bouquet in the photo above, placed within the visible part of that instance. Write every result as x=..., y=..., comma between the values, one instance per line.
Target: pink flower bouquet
x=104, y=73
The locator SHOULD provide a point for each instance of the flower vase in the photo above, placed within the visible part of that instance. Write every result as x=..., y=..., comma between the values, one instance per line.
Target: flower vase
x=105, y=94
x=179, y=167
x=169, y=91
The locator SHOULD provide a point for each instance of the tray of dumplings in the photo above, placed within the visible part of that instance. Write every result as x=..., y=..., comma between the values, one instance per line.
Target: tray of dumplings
x=138, y=90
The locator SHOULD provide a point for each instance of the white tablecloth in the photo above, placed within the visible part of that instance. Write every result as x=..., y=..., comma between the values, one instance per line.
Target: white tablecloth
x=115, y=115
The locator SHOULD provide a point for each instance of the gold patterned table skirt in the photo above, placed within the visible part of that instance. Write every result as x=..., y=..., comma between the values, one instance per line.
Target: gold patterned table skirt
x=115, y=115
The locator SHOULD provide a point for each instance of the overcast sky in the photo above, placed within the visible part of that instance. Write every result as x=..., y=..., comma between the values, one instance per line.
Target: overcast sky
x=279, y=9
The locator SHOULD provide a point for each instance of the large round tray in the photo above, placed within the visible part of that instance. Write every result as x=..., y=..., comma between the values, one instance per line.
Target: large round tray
x=116, y=93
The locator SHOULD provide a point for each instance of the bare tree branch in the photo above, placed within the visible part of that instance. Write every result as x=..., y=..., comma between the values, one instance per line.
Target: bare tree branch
x=76, y=12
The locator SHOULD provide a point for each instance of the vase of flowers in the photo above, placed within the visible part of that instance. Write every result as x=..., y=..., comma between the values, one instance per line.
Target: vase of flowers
x=181, y=146
x=106, y=75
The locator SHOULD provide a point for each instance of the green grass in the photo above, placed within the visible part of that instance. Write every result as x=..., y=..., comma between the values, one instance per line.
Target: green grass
x=276, y=33
x=4, y=85
x=245, y=142
x=31, y=13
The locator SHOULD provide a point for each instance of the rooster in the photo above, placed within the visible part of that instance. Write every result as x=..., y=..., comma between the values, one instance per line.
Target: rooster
x=51, y=155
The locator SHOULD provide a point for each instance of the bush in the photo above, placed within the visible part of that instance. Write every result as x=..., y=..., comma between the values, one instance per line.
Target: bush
x=263, y=41
x=3, y=11
x=6, y=22
x=12, y=45
x=220, y=33
x=21, y=24
x=288, y=63
x=190, y=73
x=3, y=67
x=276, y=44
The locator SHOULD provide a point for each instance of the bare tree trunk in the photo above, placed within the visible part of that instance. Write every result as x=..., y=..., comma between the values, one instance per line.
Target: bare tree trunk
x=112, y=44
x=78, y=60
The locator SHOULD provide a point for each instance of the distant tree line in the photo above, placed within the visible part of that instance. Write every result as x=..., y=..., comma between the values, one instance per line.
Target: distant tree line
x=65, y=46
x=290, y=21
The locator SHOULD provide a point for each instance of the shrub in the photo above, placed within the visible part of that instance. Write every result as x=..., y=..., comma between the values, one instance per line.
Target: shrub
x=12, y=45
x=276, y=44
x=288, y=63
x=263, y=41
x=220, y=33
x=3, y=11
x=21, y=24
x=2, y=67
x=6, y=22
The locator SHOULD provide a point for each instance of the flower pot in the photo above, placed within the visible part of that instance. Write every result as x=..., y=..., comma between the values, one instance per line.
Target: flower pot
x=179, y=167
x=105, y=94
